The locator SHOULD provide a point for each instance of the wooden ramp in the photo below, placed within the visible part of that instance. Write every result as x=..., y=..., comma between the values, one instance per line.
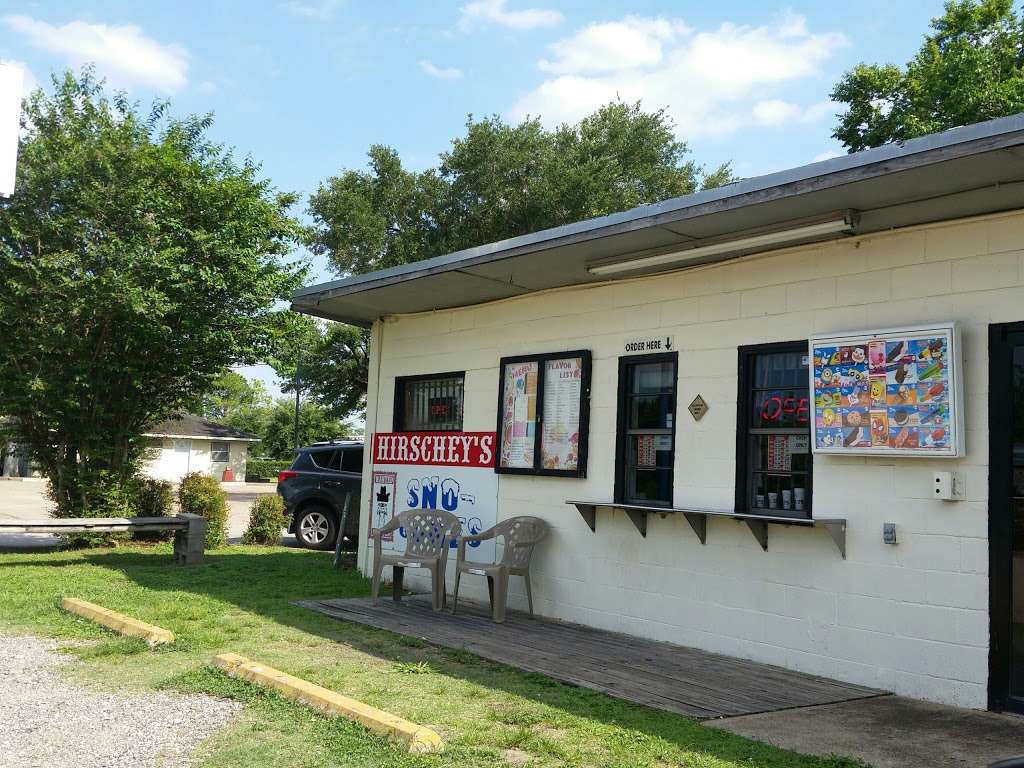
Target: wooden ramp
x=674, y=678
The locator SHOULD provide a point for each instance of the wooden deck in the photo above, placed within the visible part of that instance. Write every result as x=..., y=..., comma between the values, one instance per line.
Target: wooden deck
x=683, y=680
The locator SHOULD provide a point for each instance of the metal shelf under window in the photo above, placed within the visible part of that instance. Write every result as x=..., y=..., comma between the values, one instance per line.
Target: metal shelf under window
x=698, y=520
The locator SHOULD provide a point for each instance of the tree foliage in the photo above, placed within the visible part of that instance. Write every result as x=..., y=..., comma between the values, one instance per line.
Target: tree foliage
x=315, y=425
x=138, y=259
x=499, y=181
x=970, y=68
x=326, y=362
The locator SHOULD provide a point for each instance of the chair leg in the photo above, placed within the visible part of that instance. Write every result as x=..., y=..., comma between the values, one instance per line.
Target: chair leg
x=455, y=590
x=437, y=587
x=398, y=576
x=378, y=570
x=490, y=592
x=500, y=597
x=529, y=592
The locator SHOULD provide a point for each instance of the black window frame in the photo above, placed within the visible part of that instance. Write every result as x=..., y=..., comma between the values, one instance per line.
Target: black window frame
x=744, y=379
x=398, y=413
x=331, y=456
x=584, y=427
x=622, y=420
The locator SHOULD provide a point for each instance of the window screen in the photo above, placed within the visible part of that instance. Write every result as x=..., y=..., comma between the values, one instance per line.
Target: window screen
x=220, y=453
x=429, y=403
x=775, y=458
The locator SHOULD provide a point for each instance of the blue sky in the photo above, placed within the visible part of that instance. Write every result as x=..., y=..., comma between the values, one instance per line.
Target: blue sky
x=305, y=86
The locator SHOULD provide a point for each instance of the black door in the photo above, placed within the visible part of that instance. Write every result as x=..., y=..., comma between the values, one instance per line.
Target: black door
x=1006, y=516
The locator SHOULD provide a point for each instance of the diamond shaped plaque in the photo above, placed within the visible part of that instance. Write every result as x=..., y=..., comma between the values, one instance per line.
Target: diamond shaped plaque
x=698, y=408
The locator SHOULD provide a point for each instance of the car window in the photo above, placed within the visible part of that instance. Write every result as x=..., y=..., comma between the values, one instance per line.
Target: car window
x=352, y=460
x=324, y=459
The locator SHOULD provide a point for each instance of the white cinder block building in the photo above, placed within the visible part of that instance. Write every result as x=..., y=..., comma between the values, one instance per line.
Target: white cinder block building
x=193, y=444
x=789, y=426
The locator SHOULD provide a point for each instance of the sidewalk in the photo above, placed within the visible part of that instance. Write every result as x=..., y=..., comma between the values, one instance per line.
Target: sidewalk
x=888, y=732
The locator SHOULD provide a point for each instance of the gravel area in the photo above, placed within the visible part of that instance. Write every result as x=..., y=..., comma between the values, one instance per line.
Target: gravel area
x=45, y=720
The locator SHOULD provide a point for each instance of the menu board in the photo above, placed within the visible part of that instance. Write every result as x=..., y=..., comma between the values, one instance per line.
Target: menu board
x=560, y=435
x=894, y=392
x=518, y=415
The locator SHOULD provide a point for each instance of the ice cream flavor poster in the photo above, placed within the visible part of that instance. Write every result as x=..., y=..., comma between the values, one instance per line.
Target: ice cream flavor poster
x=886, y=393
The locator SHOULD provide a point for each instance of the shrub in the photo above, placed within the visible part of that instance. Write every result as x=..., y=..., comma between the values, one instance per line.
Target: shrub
x=266, y=519
x=153, y=498
x=201, y=494
x=257, y=470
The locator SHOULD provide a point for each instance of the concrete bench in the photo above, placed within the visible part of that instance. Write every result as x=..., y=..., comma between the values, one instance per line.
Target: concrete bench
x=189, y=530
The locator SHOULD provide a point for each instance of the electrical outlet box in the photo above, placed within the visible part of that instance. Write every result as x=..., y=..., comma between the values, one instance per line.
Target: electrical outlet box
x=949, y=486
x=889, y=533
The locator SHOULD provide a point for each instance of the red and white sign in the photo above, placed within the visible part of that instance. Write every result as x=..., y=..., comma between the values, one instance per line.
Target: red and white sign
x=453, y=471
x=440, y=449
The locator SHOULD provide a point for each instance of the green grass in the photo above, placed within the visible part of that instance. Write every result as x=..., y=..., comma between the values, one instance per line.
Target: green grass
x=240, y=601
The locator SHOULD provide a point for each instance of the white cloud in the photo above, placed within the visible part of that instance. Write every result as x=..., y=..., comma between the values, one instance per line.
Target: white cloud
x=706, y=80
x=632, y=42
x=123, y=54
x=441, y=73
x=480, y=13
x=324, y=10
x=774, y=112
x=828, y=154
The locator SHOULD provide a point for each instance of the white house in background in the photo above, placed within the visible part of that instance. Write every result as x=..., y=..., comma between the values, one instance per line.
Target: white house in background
x=191, y=443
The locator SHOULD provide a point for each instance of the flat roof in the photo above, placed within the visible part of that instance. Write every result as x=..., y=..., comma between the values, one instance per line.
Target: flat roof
x=961, y=172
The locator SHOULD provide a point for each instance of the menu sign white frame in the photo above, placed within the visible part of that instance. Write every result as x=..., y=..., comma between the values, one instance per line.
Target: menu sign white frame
x=888, y=392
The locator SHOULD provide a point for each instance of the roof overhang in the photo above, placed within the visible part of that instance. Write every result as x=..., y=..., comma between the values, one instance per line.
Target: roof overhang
x=213, y=438
x=962, y=172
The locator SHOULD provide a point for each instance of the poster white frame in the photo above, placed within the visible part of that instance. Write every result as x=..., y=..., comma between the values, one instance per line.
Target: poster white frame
x=956, y=447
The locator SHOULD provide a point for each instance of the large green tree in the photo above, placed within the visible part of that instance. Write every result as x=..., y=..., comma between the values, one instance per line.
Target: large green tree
x=323, y=361
x=496, y=181
x=138, y=259
x=970, y=68
x=315, y=424
x=238, y=402
x=499, y=181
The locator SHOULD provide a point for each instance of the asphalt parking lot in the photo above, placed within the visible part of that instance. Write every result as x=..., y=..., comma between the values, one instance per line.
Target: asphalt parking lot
x=24, y=499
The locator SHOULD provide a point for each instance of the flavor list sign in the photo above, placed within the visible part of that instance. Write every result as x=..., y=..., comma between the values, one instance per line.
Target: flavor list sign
x=450, y=471
x=560, y=436
x=890, y=392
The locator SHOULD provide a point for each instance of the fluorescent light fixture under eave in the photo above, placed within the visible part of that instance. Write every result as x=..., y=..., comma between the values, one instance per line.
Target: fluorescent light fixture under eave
x=780, y=237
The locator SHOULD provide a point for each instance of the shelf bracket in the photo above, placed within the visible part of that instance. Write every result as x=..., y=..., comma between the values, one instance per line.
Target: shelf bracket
x=639, y=519
x=589, y=514
x=837, y=530
x=699, y=523
x=760, y=530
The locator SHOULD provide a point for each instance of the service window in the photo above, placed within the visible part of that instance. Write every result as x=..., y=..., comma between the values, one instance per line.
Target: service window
x=430, y=403
x=646, y=429
x=773, y=472
x=544, y=414
x=220, y=453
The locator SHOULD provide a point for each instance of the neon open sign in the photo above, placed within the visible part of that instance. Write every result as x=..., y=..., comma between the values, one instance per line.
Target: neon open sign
x=777, y=406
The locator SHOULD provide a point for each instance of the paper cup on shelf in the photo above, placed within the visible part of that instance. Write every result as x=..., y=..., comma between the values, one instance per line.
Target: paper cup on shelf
x=760, y=501
x=773, y=501
x=787, y=499
x=798, y=498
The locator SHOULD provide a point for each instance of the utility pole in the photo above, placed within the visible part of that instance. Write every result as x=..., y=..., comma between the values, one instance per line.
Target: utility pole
x=298, y=394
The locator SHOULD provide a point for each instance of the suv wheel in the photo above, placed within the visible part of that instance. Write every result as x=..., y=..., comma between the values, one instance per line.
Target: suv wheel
x=316, y=528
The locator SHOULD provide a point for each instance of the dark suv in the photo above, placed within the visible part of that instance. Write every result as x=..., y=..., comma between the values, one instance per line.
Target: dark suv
x=324, y=479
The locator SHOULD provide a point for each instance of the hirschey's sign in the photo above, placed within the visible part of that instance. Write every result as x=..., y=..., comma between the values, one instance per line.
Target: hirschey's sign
x=451, y=471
